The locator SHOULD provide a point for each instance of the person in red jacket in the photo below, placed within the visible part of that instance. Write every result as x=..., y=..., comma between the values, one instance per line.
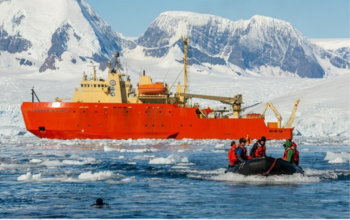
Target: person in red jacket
x=259, y=148
x=231, y=154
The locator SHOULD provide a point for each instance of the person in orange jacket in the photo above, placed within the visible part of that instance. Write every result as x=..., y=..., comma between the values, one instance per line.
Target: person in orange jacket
x=231, y=154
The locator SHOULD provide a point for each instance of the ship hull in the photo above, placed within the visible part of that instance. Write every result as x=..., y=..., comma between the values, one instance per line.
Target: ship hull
x=67, y=120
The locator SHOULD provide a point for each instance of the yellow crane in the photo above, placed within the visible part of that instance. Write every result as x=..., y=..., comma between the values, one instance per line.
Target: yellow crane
x=278, y=115
x=291, y=119
x=57, y=99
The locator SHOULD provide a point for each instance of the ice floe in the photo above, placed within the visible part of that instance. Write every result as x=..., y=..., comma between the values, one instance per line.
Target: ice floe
x=172, y=159
x=339, y=157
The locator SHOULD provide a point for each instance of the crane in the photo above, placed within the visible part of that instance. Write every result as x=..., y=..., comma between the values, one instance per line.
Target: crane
x=278, y=115
x=291, y=119
x=57, y=99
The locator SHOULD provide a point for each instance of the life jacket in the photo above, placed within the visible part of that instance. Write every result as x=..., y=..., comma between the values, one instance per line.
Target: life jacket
x=295, y=157
x=244, y=154
x=296, y=154
x=260, y=151
x=232, y=155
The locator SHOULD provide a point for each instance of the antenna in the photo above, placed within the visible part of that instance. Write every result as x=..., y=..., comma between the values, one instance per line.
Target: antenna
x=94, y=67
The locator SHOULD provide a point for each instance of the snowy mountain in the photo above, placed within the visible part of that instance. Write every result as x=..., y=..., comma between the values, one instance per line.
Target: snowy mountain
x=263, y=45
x=49, y=35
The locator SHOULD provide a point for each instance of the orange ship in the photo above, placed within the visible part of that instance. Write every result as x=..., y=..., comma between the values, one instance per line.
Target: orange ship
x=112, y=109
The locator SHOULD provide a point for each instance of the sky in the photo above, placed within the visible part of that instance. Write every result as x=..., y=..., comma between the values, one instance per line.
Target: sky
x=313, y=18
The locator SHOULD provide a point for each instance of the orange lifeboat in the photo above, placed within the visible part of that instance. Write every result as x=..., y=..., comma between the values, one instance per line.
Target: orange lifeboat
x=152, y=89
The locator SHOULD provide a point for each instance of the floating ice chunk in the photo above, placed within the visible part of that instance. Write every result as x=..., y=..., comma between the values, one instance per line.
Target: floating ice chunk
x=131, y=163
x=172, y=159
x=106, y=148
x=218, y=151
x=143, y=157
x=121, y=157
x=102, y=175
x=36, y=176
x=335, y=157
x=306, y=149
x=338, y=160
x=53, y=163
x=35, y=161
x=220, y=146
x=162, y=160
x=25, y=177
x=128, y=180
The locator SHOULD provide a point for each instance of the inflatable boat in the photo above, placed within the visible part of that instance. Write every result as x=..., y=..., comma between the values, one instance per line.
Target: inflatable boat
x=264, y=166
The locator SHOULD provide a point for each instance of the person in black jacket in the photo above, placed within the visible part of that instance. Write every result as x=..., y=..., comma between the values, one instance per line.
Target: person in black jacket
x=259, y=148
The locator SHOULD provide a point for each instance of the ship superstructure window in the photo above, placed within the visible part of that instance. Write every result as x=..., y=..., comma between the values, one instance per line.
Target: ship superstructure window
x=99, y=85
x=95, y=85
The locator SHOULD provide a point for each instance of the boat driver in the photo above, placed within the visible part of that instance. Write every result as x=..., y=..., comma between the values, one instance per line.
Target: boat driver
x=240, y=155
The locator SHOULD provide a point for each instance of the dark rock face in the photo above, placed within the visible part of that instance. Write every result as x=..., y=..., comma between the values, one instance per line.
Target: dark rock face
x=18, y=20
x=48, y=64
x=13, y=44
x=24, y=62
x=59, y=46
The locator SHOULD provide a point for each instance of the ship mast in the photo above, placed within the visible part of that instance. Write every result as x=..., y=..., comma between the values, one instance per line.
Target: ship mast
x=116, y=55
x=185, y=42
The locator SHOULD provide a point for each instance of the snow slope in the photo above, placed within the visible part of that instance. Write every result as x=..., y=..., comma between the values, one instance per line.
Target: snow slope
x=50, y=35
x=324, y=109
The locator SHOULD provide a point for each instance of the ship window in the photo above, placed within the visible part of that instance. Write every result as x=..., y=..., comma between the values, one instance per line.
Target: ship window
x=162, y=125
x=81, y=85
x=99, y=85
x=78, y=125
x=145, y=111
x=160, y=111
x=145, y=125
x=41, y=128
x=152, y=125
x=181, y=125
x=105, y=111
x=95, y=85
x=95, y=111
x=88, y=85
x=100, y=125
x=83, y=111
x=89, y=125
x=73, y=111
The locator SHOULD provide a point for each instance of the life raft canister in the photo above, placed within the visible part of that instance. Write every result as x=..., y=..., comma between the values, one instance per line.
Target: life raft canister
x=157, y=88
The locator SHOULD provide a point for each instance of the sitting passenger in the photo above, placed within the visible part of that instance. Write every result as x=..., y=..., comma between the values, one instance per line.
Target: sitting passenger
x=291, y=154
x=259, y=148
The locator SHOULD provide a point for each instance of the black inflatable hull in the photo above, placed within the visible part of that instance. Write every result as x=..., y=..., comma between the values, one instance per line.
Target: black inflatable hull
x=262, y=165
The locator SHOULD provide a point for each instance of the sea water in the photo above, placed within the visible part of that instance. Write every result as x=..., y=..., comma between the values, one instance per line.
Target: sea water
x=42, y=178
